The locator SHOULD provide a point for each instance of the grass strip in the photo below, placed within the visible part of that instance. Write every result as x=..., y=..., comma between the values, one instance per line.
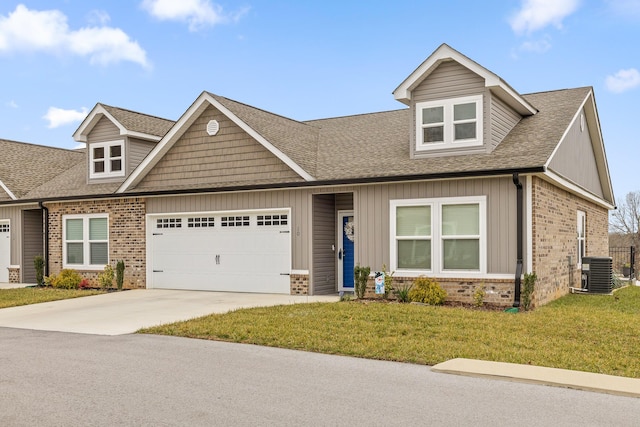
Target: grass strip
x=24, y=296
x=593, y=333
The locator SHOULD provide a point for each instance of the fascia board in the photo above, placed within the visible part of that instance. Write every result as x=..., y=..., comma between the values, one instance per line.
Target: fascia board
x=6, y=190
x=572, y=187
x=445, y=52
x=186, y=120
x=95, y=115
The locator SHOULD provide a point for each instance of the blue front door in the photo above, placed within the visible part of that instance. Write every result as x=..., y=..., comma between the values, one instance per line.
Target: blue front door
x=346, y=252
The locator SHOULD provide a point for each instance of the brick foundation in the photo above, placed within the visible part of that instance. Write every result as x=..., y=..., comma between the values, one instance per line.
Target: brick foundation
x=126, y=236
x=555, y=247
x=14, y=274
x=299, y=284
x=499, y=292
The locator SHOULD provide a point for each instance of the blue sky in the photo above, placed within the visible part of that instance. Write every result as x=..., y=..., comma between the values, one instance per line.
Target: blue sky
x=305, y=59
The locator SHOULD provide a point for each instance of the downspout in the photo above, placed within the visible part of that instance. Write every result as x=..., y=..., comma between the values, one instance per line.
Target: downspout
x=518, y=184
x=45, y=211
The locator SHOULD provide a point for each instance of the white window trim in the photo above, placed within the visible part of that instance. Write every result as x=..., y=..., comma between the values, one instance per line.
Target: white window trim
x=449, y=142
x=107, y=159
x=437, y=240
x=86, y=255
x=581, y=222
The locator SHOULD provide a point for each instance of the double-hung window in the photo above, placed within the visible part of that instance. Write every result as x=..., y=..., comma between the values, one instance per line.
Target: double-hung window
x=106, y=159
x=438, y=236
x=86, y=241
x=449, y=123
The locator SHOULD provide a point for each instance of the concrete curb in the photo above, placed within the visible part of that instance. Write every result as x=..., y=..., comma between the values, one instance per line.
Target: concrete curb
x=577, y=380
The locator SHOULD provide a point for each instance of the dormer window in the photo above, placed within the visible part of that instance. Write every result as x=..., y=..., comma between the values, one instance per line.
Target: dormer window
x=449, y=123
x=106, y=159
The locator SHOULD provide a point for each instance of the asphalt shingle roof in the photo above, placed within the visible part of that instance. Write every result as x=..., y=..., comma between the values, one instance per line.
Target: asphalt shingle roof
x=138, y=122
x=24, y=167
x=361, y=146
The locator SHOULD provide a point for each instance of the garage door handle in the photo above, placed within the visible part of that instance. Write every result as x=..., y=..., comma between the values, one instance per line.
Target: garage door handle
x=157, y=234
x=285, y=274
x=158, y=271
x=285, y=231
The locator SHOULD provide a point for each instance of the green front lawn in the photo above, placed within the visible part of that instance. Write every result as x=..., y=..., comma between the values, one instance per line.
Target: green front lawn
x=591, y=333
x=24, y=296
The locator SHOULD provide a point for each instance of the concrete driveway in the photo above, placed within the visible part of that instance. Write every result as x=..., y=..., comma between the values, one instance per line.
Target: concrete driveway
x=125, y=312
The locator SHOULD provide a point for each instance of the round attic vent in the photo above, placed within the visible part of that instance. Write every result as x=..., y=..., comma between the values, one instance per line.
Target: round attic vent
x=213, y=127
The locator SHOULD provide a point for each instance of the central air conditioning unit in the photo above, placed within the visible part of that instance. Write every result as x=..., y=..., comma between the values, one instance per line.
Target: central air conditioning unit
x=597, y=275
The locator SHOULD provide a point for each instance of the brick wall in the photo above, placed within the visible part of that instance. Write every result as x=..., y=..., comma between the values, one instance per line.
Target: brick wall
x=299, y=284
x=14, y=274
x=555, y=247
x=126, y=235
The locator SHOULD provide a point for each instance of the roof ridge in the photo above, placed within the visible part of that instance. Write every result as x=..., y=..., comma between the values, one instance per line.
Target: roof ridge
x=558, y=90
x=70, y=150
x=258, y=108
x=357, y=115
x=135, y=112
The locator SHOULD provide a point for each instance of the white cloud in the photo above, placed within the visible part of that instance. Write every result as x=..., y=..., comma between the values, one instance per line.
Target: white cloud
x=537, y=14
x=623, y=80
x=98, y=17
x=199, y=14
x=12, y=104
x=48, y=31
x=59, y=117
x=537, y=46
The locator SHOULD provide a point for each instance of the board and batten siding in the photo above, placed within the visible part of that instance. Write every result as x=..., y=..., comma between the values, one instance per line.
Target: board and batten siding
x=450, y=80
x=323, y=276
x=503, y=119
x=231, y=157
x=371, y=210
x=575, y=158
x=14, y=215
x=137, y=150
x=32, y=243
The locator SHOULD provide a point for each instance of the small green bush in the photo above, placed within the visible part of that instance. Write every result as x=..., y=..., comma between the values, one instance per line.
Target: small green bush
x=427, y=291
x=67, y=279
x=478, y=296
x=388, y=282
x=38, y=264
x=402, y=292
x=528, y=287
x=106, y=277
x=119, y=274
x=361, y=276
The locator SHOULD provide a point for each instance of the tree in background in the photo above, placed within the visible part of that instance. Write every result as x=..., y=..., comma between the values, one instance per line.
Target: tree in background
x=625, y=220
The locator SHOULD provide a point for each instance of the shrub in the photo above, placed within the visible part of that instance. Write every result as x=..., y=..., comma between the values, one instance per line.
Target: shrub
x=402, y=292
x=120, y=274
x=67, y=279
x=528, y=287
x=427, y=291
x=361, y=275
x=478, y=296
x=38, y=263
x=106, y=277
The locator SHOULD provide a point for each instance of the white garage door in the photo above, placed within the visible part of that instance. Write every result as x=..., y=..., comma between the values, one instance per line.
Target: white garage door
x=236, y=252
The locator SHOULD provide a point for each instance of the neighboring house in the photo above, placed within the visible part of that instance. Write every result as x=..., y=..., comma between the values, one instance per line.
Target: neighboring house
x=471, y=183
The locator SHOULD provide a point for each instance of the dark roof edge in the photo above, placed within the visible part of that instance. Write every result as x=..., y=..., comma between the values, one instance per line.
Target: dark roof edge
x=278, y=186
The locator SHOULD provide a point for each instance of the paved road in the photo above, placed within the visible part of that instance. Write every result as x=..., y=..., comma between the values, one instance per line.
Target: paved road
x=63, y=379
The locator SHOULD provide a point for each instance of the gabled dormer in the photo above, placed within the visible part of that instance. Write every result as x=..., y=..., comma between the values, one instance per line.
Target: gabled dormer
x=117, y=141
x=458, y=106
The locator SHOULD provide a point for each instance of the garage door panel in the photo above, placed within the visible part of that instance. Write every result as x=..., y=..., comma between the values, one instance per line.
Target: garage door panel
x=240, y=258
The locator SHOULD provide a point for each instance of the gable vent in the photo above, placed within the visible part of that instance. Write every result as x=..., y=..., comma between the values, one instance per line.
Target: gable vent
x=213, y=127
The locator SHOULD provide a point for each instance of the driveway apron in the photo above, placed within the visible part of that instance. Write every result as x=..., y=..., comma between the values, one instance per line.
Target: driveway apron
x=125, y=312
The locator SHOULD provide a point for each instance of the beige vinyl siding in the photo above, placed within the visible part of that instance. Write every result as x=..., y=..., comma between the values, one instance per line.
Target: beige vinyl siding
x=575, y=159
x=503, y=118
x=323, y=276
x=371, y=210
x=103, y=131
x=32, y=243
x=231, y=158
x=137, y=151
x=14, y=215
x=450, y=80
